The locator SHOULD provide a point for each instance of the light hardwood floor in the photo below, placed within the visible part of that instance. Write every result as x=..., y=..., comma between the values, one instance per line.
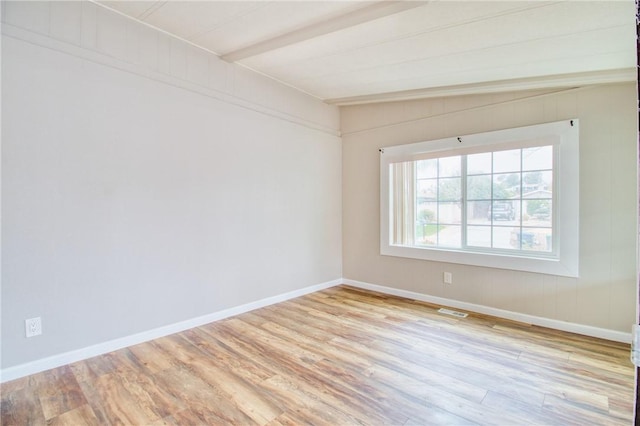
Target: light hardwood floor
x=337, y=357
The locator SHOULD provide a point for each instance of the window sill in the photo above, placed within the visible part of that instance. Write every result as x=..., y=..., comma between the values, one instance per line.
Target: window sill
x=542, y=265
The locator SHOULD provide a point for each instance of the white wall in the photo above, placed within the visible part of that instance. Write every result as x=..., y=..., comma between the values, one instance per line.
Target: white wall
x=603, y=297
x=145, y=182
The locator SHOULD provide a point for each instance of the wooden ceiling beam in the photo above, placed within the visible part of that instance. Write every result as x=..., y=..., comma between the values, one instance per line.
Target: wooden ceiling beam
x=356, y=17
x=562, y=81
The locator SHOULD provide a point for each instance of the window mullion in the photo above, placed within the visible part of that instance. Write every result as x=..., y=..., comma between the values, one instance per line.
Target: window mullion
x=491, y=202
x=520, y=210
x=463, y=201
x=410, y=178
x=437, y=212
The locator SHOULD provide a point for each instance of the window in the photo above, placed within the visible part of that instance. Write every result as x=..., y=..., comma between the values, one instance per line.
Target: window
x=506, y=199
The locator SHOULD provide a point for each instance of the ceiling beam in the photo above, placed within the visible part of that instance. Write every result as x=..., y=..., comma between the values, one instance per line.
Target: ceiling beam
x=365, y=14
x=532, y=83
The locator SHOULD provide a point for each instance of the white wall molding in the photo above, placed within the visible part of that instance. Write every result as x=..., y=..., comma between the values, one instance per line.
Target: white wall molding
x=48, y=363
x=525, y=96
x=18, y=33
x=586, y=330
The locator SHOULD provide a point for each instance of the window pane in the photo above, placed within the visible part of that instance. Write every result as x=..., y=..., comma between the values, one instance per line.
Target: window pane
x=479, y=212
x=536, y=239
x=506, y=186
x=427, y=168
x=537, y=184
x=479, y=187
x=505, y=211
x=449, y=166
x=427, y=190
x=478, y=164
x=427, y=213
x=450, y=189
x=538, y=158
x=506, y=161
x=540, y=239
x=505, y=237
x=479, y=236
x=426, y=234
x=537, y=213
x=450, y=236
x=449, y=213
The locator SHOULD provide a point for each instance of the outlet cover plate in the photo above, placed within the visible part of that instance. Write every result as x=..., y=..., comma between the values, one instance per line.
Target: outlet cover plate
x=33, y=327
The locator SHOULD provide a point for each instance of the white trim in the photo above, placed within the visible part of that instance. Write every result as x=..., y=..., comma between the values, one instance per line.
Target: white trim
x=565, y=260
x=18, y=33
x=525, y=96
x=204, y=49
x=54, y=361
x=586, y=330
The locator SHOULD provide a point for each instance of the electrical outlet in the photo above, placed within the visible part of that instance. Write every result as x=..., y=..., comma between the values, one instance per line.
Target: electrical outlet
x=447, y=277
x=33, y=327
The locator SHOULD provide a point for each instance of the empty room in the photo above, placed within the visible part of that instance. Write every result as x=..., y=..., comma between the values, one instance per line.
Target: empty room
x=319, y=212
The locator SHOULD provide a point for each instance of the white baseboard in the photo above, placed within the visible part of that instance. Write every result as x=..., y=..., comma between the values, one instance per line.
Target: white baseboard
x=586, y=330
x=54, y=361
x=44, y=364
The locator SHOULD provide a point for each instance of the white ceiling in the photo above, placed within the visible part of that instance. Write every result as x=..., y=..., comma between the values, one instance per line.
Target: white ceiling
x=353, y=51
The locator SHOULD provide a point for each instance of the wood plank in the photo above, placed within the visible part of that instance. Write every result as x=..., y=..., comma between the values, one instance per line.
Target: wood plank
x=119, y=405
x=143, y=389
x=60, y=392
x=21, y=407
x=504, y=403
x=82, y=415
x=152, y=359
x=573, y=412
x=207, y=405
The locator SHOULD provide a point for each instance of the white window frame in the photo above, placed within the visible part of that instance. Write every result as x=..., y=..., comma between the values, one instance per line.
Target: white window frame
x=565, y=259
